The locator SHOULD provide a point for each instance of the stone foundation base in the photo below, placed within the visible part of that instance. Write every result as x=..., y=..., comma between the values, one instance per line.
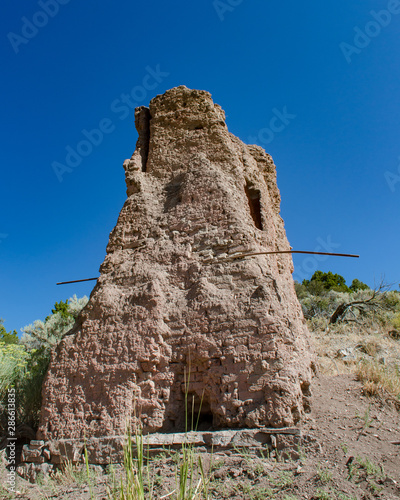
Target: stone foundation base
x=40, y=457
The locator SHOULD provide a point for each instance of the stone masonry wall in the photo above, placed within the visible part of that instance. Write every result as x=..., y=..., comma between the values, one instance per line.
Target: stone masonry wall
x=172, y=312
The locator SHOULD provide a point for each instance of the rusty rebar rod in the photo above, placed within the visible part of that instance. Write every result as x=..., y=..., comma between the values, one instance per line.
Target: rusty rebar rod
x=293, y=251
x=240, y=256
x=76, y=281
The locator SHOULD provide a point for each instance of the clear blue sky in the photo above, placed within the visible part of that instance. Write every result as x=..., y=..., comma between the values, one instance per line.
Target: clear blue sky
x=337, y=150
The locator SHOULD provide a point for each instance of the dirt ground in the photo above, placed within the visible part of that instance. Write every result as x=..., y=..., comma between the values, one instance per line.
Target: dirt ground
x=358, y=458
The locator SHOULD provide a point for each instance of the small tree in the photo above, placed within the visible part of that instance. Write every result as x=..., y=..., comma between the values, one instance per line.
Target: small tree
x=321, y=281
x=358, y=285
x=63, y=308
x=7, y=337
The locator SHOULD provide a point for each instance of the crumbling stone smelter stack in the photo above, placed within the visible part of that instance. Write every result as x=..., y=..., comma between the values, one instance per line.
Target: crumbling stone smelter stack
x=174, y=316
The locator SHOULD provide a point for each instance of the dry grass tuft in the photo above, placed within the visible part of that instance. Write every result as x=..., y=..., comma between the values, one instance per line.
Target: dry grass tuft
x=370, y=353
x=379, y=380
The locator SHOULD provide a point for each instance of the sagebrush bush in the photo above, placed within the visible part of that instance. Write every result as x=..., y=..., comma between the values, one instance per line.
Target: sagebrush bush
x=363, y=305
x=396, y=321
x=23, y=365
x=50, y=332
x=322, y=306
x=13, y=364
x=14, y=361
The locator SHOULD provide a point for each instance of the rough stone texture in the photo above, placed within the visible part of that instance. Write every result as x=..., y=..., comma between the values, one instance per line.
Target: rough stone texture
x=31, y=471
x=110, y=449
x=285, y=443
x=170, y=312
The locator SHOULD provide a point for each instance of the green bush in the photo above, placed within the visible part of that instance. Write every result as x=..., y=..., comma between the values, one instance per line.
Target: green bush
x=321, y=282
x=7, y=337
x=396, y=321
x=13, y=365
x=322, y=306
x=24, y=362
x=50, y=332
x=326, y=296
x=14, y=360
x=358, y=285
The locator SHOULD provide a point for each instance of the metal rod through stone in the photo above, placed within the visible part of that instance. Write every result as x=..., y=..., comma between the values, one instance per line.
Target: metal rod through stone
x=293, y=251
x=76, y=281
x=241, y=256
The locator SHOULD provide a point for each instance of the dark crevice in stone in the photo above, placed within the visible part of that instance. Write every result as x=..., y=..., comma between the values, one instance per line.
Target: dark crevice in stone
x=254, y=198
x=196, y=125
x=200, y=416
x=142, y=123
x=173, y=192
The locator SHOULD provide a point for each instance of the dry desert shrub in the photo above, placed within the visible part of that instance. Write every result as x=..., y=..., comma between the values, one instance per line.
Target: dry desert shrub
x=379, y=380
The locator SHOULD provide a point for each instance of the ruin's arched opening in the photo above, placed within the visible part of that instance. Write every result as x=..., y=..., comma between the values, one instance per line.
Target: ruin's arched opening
x=191, y=413
x=199, y=414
